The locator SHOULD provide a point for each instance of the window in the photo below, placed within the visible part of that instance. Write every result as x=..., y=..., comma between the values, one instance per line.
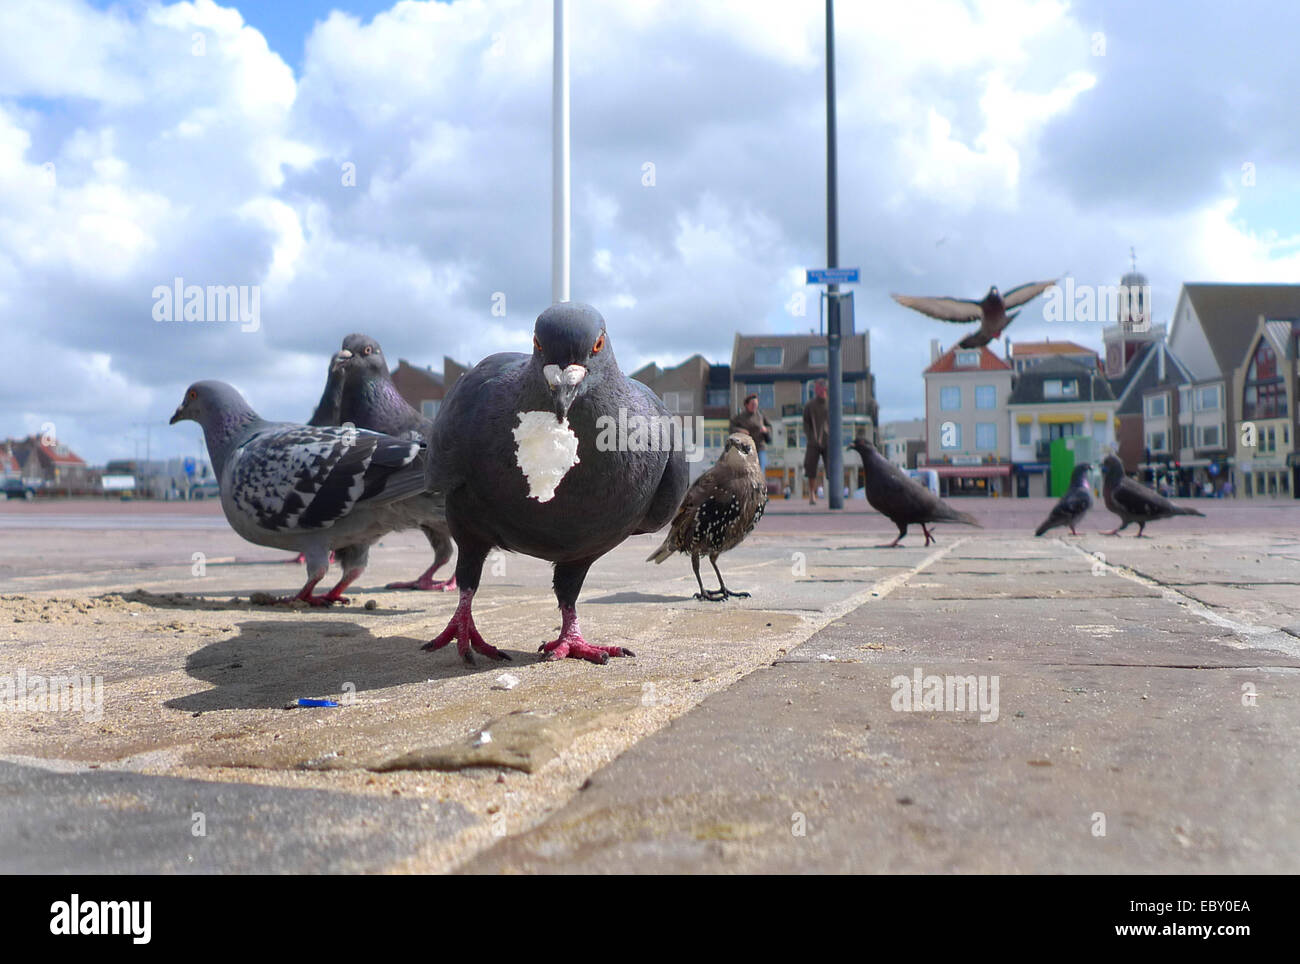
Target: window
x=950, y=398
x=986, y=436
x=968, y=359
x=1185, y=436
x=768, y=357
x=1184, y=400
x=679, y=403
x=1207, y=398
x=766, y=395
x=1156, y=441
x=986, y=396
x=429, y=407
x=718, y=398
x=1157, y=406
x=1060, y=388
x=1099, y=431
x=817, y=356
x=1207, y=436
x=1025, y=428
x=792, y=437
x=950, y=435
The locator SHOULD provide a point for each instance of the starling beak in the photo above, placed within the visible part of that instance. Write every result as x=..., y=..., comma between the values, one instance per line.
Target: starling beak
x=990, y=312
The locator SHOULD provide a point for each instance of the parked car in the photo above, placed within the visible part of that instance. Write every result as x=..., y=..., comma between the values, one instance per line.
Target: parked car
x=207, y=489
x=18, y=489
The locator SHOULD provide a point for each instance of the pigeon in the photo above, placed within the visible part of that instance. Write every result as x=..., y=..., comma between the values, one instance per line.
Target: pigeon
x=555, y=455
x=991, y=312
x=1073, y=505
x=366, y=397
x=902, y=499
x=1132, y=501
x=309, y=488
x=327, y=411
x=719, y=511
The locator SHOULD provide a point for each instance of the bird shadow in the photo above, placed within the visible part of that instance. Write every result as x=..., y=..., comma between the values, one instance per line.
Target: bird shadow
x=243, y=602
x=259, y=669
x=637, y=597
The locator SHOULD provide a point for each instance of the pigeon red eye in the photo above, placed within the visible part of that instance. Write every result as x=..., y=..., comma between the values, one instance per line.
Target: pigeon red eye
x=600, y=343
x=193, y=395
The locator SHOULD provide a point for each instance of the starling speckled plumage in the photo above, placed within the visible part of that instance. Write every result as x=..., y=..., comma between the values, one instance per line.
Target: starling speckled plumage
x=719, y=511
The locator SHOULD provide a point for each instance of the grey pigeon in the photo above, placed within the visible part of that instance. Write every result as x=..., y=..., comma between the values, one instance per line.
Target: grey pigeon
x=300, y=487
x=903, y=500
x=1072, y=506
x=990, y=312
x=719, y=511
x=502, y=454
x=360, y=391
x=1132, y=501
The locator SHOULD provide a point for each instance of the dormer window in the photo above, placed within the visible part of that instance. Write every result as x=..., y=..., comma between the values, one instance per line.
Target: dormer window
x=1060, y=388
x=968, y=359
x=817, y=356
x=768, y=357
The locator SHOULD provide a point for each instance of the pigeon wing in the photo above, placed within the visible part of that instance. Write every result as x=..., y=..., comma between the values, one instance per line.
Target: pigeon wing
x=304, y=477
x=1140, y=502
x=1023, y=293
x=945, y=309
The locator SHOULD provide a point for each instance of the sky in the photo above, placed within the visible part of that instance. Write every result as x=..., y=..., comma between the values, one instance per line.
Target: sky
x=359, y=166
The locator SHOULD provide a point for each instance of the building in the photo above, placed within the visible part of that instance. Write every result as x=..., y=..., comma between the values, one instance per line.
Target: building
x=1217, y=332
x=1136, y=360
x=687, y=391
x=1023, y=354
x=967, y=442
x=1058, y=397
x=1266, y=382
x=9, y=467
x=903, y=443
x=52, y=463
x=782, y=370
x=423, y=388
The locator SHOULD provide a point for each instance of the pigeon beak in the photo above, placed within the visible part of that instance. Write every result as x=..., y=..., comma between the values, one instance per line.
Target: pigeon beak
x=565, y=384
x=341, y=359
x=178, y=415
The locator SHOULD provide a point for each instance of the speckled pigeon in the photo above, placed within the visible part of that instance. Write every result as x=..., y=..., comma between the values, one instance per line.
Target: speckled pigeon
x=308, y=488
x=1132, y=501
x=720, y=509
x=361, y=392
x=556, y=455
x=990, y=312
x=1072, y=506
x=902, y=499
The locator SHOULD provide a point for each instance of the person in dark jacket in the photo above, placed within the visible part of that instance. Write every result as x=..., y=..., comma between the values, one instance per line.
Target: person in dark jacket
x=749, y=419
x=816, y=430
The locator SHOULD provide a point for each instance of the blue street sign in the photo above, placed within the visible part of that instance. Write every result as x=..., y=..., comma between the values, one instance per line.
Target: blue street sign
x=832, y=276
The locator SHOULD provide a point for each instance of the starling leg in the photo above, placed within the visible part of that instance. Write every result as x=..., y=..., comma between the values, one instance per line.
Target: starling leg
x=722, y=587
x=570, y=644
x=710, y=595
x=469, y=567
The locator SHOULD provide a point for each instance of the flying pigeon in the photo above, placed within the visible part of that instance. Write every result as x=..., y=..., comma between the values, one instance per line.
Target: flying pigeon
x=902, y=499
x=1132, y=501
x=991, y=312
x=720, y=509
x=301, y=487
x=556, y=455
x=366, y=397
x=1073, y=505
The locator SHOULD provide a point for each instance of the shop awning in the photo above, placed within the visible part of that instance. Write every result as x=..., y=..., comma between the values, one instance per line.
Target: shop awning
x=969, y=471
x=1059, y=419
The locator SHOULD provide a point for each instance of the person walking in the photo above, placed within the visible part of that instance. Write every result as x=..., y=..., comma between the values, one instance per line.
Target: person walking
x=749, y=419
x=816, y=430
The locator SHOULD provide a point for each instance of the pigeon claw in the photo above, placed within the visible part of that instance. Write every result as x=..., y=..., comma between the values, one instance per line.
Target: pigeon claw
x=426, y=583
x=461, y=628
x=573, y=646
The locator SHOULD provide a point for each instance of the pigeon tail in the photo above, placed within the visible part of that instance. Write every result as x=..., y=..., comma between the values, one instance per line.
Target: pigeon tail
x=1179, y=510
x=952, y=515
x=977, y=339
x=1044, y=527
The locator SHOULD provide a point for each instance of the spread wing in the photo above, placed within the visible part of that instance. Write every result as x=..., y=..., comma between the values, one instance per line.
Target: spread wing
x=1023, y=293
x=945, y=309
x=305, y=477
